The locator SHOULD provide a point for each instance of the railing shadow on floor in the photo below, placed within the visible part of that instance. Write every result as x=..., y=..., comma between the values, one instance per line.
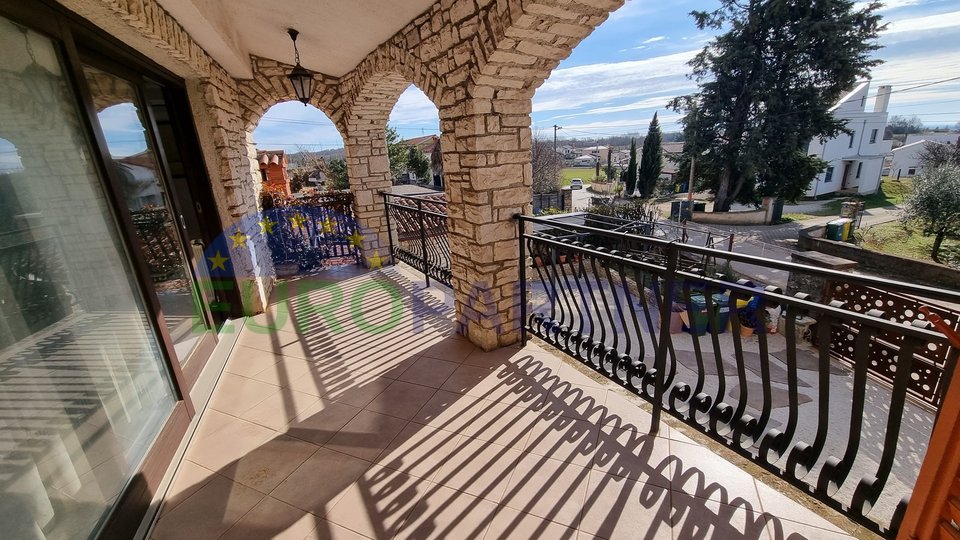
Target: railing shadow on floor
x=850, y=428
x=407, y=492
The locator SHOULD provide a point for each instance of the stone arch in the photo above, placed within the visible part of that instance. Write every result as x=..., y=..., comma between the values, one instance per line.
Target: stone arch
x=270, y=86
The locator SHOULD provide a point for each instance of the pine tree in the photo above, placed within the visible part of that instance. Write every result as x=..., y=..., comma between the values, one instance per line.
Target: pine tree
x=766, y=87
x=631, y=182
x=651, y=159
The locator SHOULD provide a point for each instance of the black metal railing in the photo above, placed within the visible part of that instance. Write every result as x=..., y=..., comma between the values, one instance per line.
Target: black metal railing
x=311, y=231
x=418, y=233
x=752, y=367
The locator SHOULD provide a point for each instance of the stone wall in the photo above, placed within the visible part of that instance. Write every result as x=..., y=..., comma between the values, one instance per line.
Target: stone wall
x=479, y=61
x=900, y=268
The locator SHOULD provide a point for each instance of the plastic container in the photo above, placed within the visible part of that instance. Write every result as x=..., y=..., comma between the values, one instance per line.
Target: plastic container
x=697, y=320
x=835, y=230
x=721, y=306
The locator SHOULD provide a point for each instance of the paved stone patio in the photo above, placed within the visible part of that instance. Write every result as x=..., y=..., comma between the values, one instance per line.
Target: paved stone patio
x=351, y=410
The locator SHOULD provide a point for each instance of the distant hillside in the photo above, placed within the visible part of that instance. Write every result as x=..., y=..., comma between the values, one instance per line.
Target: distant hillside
x=298, y=159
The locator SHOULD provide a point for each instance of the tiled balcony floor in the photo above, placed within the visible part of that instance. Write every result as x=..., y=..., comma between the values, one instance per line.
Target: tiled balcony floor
x=364, y=416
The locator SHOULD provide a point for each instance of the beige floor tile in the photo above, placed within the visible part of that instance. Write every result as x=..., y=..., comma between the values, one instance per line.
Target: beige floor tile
x=479, y=468
x=278, y=410
x=326, y=530
x=452, y=411
x=367, y=435
x=285, y=371
x=635, y=455
x=211, y=421
x=508, y=524
x=699, y=518
x=624, y=411
x=377, y=504
x=473, y=380
x=420, y=450
x=320, y=481
x=447, y=513
x=356, y=392
x=618, y=508
x=401, y=399
x=271, y=518
x=782, y=529
x=501, y=424
x=547, y=488
x=428, y=372
x=563, y=438
x=247, y=361
x=276, y=342
x=566, y=399
x=784, y=505
x=451, y=348
x=235, y=395
x=228, y=444
x=189, y=478
x=209, y=512
x=496, y=358
x=264, y=467
x=699, y=472
x=319, y=422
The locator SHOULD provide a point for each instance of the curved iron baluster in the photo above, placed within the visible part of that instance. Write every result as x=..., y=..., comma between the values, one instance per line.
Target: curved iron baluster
x=835, y=471
x=870, y=487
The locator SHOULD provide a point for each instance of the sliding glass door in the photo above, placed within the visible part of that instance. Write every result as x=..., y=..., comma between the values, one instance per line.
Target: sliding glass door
x=84, y=385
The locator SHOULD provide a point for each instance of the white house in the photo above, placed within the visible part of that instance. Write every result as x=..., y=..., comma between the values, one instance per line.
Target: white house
x=585, y=161
x=905, y=161
x=855, y=161
x=940, y=137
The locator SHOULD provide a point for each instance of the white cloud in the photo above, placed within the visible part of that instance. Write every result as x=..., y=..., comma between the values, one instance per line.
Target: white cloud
x=659, y=102
x=579, y=87
x=890, y=5
x=414, y=107
x=654, y=39
x=626, y=124
x=927, y=22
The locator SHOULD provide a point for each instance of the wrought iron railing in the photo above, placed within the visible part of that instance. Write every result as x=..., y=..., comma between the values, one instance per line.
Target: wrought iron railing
x=418, y=233
x=752, y=367
x=312, y=231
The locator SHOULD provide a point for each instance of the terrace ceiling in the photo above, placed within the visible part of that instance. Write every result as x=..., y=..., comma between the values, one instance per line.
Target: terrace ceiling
x=334, y=35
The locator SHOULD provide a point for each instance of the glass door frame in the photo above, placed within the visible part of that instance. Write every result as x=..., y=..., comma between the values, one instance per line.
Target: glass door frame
x=67, y=30
x=196, y=361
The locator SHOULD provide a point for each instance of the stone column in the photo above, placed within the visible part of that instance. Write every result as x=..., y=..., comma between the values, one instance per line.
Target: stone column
x=486, y=161
x=368, y=167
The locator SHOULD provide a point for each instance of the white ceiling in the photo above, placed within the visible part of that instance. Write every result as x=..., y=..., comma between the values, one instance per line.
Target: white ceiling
x=335, y=35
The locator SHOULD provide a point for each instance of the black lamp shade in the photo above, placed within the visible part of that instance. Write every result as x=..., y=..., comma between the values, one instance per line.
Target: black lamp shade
x=302, y=80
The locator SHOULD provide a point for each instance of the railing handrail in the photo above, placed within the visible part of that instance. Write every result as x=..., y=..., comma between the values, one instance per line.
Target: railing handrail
x=425, y=212
x=871, y=281
x=746, y=291
x=417, y=197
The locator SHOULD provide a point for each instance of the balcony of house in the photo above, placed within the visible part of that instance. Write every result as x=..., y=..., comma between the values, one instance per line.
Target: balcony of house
x=350, y=409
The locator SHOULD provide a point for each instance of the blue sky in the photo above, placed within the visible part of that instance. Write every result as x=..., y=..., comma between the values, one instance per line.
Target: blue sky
x=635, y=62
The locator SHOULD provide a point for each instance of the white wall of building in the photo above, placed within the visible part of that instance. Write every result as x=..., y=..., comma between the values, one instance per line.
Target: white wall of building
x=862, y=152
x=948, y=138
x=905, y=161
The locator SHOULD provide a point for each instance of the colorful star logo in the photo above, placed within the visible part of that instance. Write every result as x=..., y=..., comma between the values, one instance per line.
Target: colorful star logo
x=266, y=225
x=217, y=261
x=298, y=220
x=239, y=239
x=328, y=226
x=356, y=239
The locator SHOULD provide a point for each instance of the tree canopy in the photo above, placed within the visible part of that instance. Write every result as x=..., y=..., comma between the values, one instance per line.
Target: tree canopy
x=546, y=165
x=905, y=125
x=765, y=89
x=418, y=163
x=651, y=159
x=630, y=183
x=338, y=174
x=935, y=204
x=397, y=152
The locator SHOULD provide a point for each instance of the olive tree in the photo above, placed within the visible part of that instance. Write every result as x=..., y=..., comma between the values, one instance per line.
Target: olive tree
x=935, y=204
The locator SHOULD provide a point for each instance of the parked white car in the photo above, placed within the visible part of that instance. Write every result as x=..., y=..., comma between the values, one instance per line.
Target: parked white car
x=576, y=183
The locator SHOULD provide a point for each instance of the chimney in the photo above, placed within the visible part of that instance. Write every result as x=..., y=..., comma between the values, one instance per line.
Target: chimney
x=883, y=98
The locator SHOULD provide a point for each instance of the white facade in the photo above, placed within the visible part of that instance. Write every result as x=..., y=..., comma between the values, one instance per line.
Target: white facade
x=905, y=161
x=854, y=161
x=940, y=137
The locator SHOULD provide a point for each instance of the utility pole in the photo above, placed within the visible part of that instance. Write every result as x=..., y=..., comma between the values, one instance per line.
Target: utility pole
x=555, y=129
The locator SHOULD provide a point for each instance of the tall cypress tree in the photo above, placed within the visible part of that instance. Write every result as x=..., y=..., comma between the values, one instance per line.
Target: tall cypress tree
x=651, y=159
x=631, y=182
x=766, y=87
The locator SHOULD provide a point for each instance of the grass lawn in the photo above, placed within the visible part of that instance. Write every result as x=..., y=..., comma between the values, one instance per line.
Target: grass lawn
x=896, y=238
x=584, y=173
x=892, y=192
